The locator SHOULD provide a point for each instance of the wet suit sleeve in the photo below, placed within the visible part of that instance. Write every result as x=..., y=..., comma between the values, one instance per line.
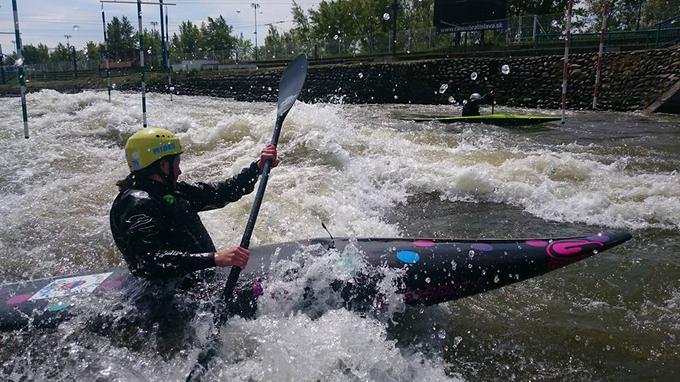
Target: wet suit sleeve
x=141, y=234
x=210, y=196
x=485, y=100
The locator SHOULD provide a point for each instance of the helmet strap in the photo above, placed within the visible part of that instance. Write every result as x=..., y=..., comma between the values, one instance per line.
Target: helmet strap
x=170, y=176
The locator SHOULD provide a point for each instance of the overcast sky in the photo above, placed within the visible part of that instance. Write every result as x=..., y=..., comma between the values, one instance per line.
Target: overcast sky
x=47, y=21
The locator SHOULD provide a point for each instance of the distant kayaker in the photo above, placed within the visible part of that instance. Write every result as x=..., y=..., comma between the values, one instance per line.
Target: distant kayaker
x=471, y=108
x=154, y=219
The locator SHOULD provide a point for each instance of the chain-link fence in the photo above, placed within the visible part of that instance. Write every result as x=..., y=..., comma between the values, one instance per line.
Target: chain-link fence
x=521, y=33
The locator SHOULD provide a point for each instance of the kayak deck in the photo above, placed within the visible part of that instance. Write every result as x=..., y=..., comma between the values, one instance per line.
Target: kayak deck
x=491, y=119
x=430, y=271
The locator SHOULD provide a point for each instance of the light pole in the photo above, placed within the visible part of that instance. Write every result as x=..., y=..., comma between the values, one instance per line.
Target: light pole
x=73, y=54
x=19, y=62
x=2, y=67
x=255, y=6
x=153, y=25
x=395, y=9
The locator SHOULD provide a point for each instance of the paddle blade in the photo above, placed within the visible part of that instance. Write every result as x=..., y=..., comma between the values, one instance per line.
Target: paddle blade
x=291, y=84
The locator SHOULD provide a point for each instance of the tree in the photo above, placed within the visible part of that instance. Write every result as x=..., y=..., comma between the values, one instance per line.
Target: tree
x=243, y=48
x=340, y=25
x=218, y=36
x=36, y=54
x=152, y=48
x=660, y=10
x=121, y=39
x=360, y=26
x=94, y=50
x=61, y=54
x=536, y=7
x=279, y=44
x=189, y=42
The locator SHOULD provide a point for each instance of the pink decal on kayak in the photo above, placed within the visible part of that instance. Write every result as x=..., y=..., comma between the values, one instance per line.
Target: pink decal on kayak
x=18, y=299
x=73, y=284
x=482, y=247
x=111, y=284
x=423, y=243
x=537, y=243
x=257, y=289
x=572, y=249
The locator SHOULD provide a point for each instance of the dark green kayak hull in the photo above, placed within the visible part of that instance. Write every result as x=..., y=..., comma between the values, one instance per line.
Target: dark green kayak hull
x=491, y=119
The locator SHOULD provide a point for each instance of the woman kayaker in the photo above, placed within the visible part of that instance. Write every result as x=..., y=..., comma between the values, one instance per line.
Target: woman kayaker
x=154, y=219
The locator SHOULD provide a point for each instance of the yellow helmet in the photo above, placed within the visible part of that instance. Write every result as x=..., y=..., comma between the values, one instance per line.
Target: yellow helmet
x=149, y=145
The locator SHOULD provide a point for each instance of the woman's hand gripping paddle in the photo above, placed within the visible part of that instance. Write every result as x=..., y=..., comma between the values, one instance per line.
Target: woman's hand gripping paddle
x=289, y=89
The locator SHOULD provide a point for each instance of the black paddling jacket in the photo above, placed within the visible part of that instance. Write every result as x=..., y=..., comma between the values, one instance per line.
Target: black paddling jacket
x=158, y=229
x=471, y=108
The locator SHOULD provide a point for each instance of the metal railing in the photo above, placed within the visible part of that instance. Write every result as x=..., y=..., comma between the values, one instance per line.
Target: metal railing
x=523, y=32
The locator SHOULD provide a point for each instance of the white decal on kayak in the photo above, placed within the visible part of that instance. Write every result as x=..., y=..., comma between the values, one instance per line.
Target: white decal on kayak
x=70, y=286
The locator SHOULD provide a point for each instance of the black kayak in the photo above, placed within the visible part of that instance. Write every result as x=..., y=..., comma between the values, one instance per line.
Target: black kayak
x=491, y=119
x=430, y=271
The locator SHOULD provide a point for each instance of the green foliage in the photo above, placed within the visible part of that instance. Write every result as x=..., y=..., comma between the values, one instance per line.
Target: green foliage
x=632, y=14
x=626, y=14
x=61, y=53
x=94, y=50
x=188, y=43
x=218, y=35
x=350, y=26
x=661, y=10
x=35, y=54
x=242, y=48
x=152, y=48
x=121, y=39
x=536, y=7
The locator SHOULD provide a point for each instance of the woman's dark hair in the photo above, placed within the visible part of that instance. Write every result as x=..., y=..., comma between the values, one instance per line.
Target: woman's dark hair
x=153, y=168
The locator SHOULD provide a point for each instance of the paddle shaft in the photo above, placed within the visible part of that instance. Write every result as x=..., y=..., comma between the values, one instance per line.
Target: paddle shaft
x=291, y=83
x=235, y=272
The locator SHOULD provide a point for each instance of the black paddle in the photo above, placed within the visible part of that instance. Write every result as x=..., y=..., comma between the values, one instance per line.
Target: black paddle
x=289, y=90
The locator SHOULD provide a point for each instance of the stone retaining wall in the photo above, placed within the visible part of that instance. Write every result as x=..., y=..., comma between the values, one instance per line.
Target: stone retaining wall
x=630, y=81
